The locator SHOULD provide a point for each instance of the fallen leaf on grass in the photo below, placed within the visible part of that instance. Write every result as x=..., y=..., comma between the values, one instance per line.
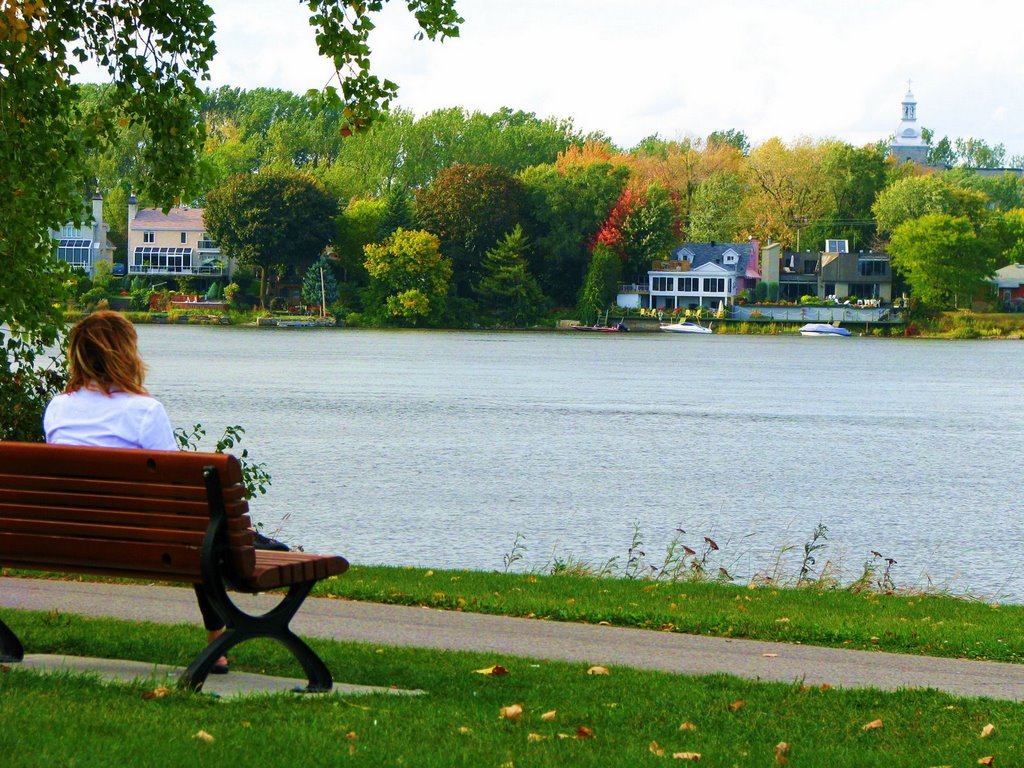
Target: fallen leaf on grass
x=204, y=736
x=656, y=750
x=351, y=737
x=157, y=693
x=687, y=726
x=874, y=725
x=584, y=733
x=535, y=737
x=783, y=620
x=987, y=760
x=598, y=671
x=782, y=753
x=549, y=715
x=825, y=687
x=497, y=671
x=691, y=756
x=987, y=731
x=512, y=712
x=737, y=705
x=464, y=729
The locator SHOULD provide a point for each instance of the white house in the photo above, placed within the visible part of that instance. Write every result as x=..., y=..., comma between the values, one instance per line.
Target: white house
x=85, y=246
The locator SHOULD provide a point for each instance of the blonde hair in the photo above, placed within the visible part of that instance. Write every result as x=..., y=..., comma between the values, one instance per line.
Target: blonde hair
x=103, y=353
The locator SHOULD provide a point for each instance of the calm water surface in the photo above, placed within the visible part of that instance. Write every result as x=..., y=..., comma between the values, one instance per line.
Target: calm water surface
x=438, y=448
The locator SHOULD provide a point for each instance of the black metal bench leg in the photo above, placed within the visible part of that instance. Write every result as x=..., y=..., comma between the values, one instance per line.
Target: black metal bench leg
x=319, y=677
x=10, y=646
x=241, y=626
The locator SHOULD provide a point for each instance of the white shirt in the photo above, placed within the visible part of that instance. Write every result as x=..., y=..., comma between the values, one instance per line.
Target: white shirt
x=117, y=420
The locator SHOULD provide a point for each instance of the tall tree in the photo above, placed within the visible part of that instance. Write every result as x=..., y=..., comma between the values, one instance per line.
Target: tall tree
x=506, y=286
x=408, y=278
x=272, y=220
x=915, y=196
x=788, y=189
x=600, y=284
x=469, y=207
x=566, y=205
x=942, y=258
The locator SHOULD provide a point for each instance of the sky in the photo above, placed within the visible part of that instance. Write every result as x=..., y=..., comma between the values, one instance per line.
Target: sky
x=677, y=68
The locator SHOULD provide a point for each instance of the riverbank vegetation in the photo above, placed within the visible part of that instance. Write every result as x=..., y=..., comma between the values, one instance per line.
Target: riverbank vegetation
x=537, y=713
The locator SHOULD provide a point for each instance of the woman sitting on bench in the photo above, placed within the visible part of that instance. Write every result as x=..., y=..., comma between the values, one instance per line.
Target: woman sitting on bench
x=106, y=405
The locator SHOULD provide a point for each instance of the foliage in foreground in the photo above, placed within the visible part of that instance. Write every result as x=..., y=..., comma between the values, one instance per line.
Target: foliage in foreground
x=569, y=715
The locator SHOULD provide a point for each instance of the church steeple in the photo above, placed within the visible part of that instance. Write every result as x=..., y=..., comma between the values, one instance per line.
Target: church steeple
x=908, y=143
x=909, y=105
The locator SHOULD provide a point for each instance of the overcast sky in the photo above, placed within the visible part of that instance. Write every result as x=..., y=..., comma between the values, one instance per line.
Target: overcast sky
x=632, y=68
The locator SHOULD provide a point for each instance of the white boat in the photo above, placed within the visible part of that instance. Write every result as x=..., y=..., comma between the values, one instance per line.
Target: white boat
x=822, y=329
x=686, y=326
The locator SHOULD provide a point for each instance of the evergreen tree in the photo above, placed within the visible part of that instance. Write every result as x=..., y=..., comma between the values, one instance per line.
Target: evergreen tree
x=320, y=287
x=397, y=214
x=506, y=285
x=601, y=283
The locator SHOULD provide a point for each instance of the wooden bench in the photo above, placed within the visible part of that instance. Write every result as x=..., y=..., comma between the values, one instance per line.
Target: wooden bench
x=156, y=515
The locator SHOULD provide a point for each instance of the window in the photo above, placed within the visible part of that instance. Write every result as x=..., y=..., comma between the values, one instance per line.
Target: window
x=868, y=267
x=184, y=237
x=810, y=265
x=149, y=237
x=730, y=257
x=714, y=285
x=205, y=243
x=689, y=285
x=155, y=259
x=662, y=283
x=77, y=253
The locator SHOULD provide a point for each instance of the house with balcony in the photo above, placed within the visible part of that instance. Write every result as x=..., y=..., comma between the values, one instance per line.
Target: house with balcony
x=703, y=275
x=85, y=246
x=175, y=243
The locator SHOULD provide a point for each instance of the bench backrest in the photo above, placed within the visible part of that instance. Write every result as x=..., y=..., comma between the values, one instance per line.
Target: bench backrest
x=116, y=511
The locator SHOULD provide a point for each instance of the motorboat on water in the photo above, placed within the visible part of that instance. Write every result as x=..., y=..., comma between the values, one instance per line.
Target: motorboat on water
x=823, y=329
x=687, y=326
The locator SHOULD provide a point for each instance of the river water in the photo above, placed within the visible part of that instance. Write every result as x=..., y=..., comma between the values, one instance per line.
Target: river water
x=439, y=448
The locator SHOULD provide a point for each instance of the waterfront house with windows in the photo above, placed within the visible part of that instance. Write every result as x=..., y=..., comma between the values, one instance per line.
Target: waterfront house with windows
x=85, y=246
x=836, y=272
x=174, y=243
x=703, y=275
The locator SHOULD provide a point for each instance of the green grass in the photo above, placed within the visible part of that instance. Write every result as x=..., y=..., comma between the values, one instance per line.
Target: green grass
x=924, y=624
x=933, y=625
x=71, y=720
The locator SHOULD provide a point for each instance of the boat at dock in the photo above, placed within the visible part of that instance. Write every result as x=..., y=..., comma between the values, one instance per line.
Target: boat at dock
x=823, y=329
x=687, y=326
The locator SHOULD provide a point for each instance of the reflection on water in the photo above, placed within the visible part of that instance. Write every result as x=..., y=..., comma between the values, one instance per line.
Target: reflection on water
x=437, y=448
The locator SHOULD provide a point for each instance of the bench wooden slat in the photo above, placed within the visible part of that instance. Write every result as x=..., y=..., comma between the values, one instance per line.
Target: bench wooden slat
x=173, y=467
x=27, y=487
x=115, y=517
x=123, y=533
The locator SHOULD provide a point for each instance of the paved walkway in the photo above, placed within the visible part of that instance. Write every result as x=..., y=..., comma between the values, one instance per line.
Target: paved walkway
x=644, y=649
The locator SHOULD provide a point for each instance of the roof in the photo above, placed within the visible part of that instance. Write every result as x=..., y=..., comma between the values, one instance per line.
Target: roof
x=699, y=254
x=176, y=218
x=1010, y=276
